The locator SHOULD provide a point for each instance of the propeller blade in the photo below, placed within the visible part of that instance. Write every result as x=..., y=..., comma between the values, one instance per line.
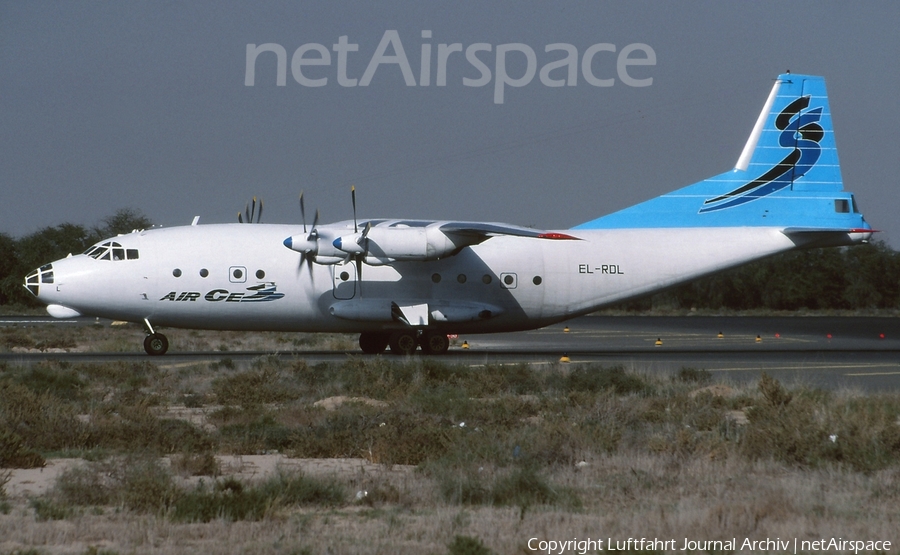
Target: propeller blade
x=315, y=223
x=308, y=260
x=247, y=213
x=240, y=219
x=252, y=211
x=353, y=199
x=302, y=212
x=259, y=215
x=361, y=241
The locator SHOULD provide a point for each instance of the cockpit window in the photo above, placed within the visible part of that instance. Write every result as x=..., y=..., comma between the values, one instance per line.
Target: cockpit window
x=111, y=250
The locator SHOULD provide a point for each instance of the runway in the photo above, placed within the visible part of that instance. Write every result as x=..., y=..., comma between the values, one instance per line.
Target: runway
x=828, y=352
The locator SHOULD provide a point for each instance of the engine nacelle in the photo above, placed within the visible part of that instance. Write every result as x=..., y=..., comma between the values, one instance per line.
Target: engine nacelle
x=386, y=244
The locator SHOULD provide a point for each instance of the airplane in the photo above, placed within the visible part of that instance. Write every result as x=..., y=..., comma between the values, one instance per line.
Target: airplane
x=407, y=284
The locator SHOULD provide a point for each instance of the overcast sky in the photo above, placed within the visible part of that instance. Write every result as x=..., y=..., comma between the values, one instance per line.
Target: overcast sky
x=145, y=105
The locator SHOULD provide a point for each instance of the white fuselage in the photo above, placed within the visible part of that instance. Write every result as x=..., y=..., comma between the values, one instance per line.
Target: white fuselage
x=242, y=277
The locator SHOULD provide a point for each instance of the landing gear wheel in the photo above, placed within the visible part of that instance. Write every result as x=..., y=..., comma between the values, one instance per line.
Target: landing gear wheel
x=435, y=343
x=373, y=343
x=403, y=342
x=156, y=344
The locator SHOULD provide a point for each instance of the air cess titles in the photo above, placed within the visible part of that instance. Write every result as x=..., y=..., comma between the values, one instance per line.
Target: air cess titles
x=561, y=70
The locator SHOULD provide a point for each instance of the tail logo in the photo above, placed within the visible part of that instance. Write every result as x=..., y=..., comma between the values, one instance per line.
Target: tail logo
x=800, y=130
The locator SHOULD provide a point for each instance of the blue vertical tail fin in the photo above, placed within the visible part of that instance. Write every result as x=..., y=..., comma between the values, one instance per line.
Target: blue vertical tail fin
x=787, y=175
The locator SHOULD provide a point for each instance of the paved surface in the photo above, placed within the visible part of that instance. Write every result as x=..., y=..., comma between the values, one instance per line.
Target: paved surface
x=829, y=352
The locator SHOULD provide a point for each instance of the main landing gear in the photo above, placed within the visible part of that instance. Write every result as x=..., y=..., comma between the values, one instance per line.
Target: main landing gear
x=404, y=342
x=156, y=344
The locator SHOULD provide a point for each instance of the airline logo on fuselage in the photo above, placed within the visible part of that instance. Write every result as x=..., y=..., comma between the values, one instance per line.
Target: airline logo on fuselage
x=264, y=292
x=800, y=130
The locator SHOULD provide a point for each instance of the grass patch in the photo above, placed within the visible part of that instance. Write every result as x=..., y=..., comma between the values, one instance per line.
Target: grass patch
x=522, y=487
x=467, y=545
x=231, y=499
x=138, y=483
x=14, y=453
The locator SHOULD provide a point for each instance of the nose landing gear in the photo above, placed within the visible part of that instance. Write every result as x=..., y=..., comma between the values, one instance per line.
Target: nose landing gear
x=156, y=344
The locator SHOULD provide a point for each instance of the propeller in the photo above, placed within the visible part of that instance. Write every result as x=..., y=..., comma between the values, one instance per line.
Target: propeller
x=251, y=213
x=308, y=255
x=363, y=242
x=309, y=248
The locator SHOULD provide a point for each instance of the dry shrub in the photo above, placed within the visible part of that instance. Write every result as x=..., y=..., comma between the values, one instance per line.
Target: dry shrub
x=252, y=431
x=43, y=421
x=233, y=500
x=595, y=378
x=138, y=428
x=196, y=464
x=394, y=435
x=379, y=378
x=5, y=476
x=688, y=374
x=521, y=486
x=808, y=428
x=773, y=392
x=467, y=545
x=14, y=453
x=55, y=379
x=751, y=513
x=14, y=337
x=139, y=483
x=125, y=375
x=260, y=385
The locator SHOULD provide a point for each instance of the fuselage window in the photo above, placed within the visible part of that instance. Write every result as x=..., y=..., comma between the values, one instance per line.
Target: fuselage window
x=260, y=274
x=841, y=206
x=118, y=253
x=537, y=280
x=176, y=272
x=237, y=274
x=461, y=278
x=486, y=279
x=131, y=254
x=204, y=272
x=344, y=276
x=436, y=278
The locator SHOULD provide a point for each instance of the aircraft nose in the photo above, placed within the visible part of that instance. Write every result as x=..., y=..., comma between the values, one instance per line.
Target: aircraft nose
x=41, y=276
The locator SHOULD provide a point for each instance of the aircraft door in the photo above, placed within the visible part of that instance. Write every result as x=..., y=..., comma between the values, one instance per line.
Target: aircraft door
x=344, y=279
